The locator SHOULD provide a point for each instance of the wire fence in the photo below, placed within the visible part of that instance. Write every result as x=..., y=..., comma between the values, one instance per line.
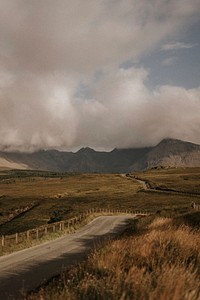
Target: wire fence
x=41, y=231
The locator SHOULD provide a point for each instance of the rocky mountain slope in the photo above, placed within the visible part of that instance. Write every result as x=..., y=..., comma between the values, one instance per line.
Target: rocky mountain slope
x=169, y=152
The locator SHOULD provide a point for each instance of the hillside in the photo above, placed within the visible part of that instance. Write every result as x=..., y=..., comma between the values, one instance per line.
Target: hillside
x=169, y=152
x=7, y=164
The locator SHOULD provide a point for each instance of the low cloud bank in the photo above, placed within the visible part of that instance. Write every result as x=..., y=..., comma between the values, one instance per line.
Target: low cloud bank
x=61, y=84
x=121, y=112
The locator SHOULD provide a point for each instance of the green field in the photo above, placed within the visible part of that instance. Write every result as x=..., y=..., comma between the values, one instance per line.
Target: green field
x=61, y=196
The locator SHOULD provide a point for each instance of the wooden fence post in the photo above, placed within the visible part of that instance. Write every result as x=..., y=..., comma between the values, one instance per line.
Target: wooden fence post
x=16, y=237
x=3, y=240
x=61, y=225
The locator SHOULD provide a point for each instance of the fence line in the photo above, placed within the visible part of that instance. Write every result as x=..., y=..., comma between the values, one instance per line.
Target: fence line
x=43, y=230
x=195, y=206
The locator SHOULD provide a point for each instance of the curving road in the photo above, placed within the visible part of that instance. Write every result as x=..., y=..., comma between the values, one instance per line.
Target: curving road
x=26, y=270
x=143, y=183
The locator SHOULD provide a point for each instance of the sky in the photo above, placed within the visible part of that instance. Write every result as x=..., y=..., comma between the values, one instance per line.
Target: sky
x=98, y=73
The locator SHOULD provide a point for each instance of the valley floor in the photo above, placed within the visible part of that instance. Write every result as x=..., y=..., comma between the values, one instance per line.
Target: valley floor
x=158, y=258
x=59, y=196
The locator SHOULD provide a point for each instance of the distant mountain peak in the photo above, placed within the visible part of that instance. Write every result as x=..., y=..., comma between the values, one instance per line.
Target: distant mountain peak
x=174, y=142
x=170, y=141
x=86, y=150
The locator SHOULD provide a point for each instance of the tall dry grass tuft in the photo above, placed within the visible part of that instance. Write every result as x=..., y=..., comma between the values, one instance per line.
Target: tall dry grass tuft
x=161, y=263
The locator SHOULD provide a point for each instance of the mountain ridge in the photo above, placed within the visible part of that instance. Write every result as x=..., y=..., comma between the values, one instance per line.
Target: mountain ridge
x=168, y=152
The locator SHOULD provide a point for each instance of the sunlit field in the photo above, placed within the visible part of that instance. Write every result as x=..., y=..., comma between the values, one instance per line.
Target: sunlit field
x=156, y=259
x=179, y=179
x=61, y=196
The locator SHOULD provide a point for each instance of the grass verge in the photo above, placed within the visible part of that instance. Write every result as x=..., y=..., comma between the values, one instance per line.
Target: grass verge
x=12, y=247
x=157, y=258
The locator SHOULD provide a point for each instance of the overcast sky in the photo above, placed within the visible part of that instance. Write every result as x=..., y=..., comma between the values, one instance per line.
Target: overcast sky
x=98, y=73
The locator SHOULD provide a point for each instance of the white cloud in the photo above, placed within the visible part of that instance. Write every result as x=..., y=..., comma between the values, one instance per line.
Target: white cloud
x=178, y=46
x=81, y=36
x=48, y=48
x=131, y=114
x=122, y=112
x=169, y=61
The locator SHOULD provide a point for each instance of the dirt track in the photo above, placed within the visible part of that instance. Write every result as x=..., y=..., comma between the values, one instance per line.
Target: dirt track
x=27, y=269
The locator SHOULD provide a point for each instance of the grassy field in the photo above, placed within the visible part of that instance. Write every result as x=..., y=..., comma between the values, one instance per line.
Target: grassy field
x=156, y=259
x=180, y=179
x=61, y=196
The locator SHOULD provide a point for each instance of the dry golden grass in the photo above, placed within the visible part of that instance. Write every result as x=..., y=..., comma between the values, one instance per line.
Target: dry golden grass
x=74, y=185
x=180, y=179
x=65, y=196
x=161, y=262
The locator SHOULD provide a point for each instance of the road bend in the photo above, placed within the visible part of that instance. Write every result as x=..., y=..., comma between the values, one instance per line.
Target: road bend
x=25, y=270
x=143, y=183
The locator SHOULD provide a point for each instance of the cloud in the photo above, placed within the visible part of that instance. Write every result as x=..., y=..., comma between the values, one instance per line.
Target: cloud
x=169, y=61
x=122, y=112
x=130, y=114
x=178, y=46
x=50, y=50
x=80, y=36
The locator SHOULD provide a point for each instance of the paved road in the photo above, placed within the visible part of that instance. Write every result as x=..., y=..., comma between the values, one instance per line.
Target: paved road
x=27, y=269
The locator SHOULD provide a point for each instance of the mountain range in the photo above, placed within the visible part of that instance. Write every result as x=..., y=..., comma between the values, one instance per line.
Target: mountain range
x=169, y=152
